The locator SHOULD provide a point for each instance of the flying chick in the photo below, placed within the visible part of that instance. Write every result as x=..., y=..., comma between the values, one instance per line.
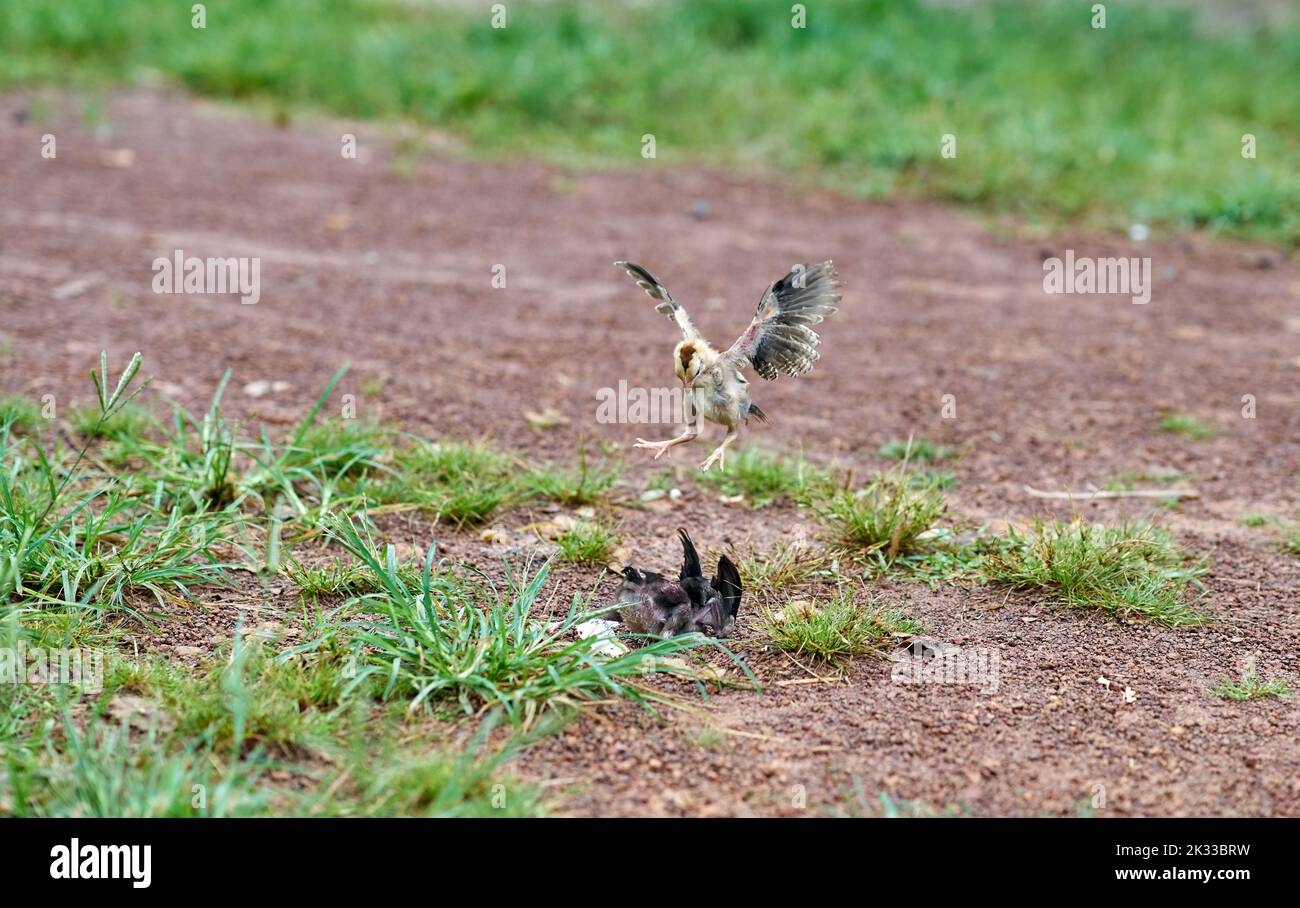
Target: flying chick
x=777, y=342
x=650, y=603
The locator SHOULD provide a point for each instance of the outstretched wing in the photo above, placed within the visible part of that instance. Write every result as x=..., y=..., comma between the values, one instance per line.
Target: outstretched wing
x=778, y=341
x=691, y=566
x=667, y=305
x=727, y=583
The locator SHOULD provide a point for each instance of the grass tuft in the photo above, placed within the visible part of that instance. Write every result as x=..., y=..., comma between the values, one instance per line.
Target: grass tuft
x=1252, y=687
x=916, y=450
x=20, y=413
x=1124, y=572
x=129, y=422
x=338, y=577
x=105, y=771
x=74, y=539
x=469, y=780
x=587, y=543
x=886, y=518
x=764, y=477
x=1188, y=426
x=478, y=645
x=1291, y=540
x=584, y=484
x=463, y=482
x=948, y=557
x=837, y=628
x=786, y=565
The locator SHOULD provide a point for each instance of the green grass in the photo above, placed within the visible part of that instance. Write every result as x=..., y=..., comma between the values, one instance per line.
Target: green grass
x=1124, y=572
x=466, y=483
x=1141, y=121
x=582, y=484
x=100, y=771
x=837, y=628
x=205, y=462
x=404, y=778
x=1291, y=540
x=1188, y=426
x=915, y=450
x=935, y=479
x=192, y=463
x=20, y=413
x=149, y=509
x=110, y=551
x=281, y=704
x=786, y=565
x=883, y=519
x=214, y=743
x=946, y=558
x=337, y=577
x=334, y=447
x=443, y=783
x=479, y=645
x=1134, y=479
x=130, y=421
x=1252, y=687
x=763, y=477
x=121, y=514
x=92, y=542
x=105, y=771
x=587, y=543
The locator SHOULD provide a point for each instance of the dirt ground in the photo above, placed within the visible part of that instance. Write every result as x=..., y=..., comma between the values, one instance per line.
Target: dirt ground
x=386, y=262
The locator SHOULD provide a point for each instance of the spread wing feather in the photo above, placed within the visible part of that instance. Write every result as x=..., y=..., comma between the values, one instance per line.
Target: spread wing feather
x=691, y=566
x=727, y=583
x=657, y=291
x=779, y=340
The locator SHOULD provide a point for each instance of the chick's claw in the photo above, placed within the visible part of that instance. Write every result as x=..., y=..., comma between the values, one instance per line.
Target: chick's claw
x=659, y=447
x=719, y=456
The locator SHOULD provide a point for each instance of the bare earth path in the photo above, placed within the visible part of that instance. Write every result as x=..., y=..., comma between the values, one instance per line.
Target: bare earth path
x=389, y=268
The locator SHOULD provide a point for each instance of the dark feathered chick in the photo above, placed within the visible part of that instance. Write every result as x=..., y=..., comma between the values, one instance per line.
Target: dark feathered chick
x=779, y=341
x=650, y=603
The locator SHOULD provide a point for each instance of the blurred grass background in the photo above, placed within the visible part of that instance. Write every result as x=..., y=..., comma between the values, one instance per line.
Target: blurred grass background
x=1139, y=122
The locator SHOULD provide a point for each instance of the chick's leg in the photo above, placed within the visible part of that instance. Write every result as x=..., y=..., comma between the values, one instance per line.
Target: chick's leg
x=719, y=454
x=661, y=447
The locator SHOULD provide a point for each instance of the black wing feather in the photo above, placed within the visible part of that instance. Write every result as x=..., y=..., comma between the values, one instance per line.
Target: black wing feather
x=690, y=558
x=779, y=340
x=727, y=583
